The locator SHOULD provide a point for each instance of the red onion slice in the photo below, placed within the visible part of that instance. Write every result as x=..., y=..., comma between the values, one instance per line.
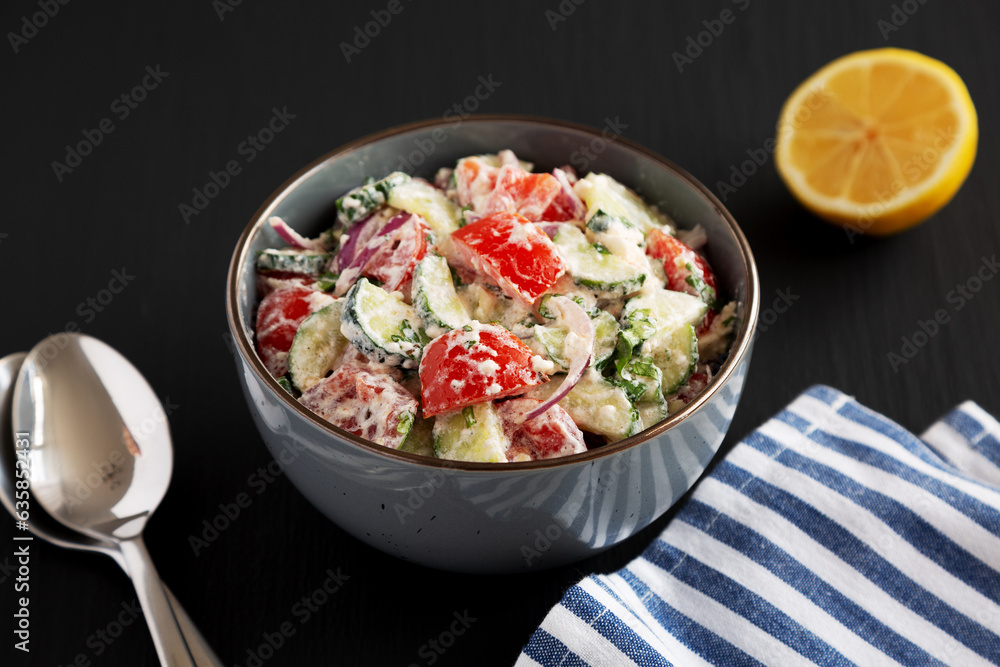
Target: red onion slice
x=357, y=236
x=569, y=172
x=579, y=348
x=568, y=196
x=550, y=228
x=357, y=265
x=443, y=178
x=292, y=237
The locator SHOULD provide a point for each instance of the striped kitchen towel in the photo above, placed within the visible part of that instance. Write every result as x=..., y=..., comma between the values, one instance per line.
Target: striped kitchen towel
x=828, y=536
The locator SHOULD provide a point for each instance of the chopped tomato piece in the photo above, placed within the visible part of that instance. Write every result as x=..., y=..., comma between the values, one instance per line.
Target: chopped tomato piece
x=512, y=253
x=371, y=405
x=278, y=318
x=695, y=385
x=567, y=205
x=389, y=256
x=521, y=192
x=270, y=281
x=474, y=180
x=475, y=364
x=552, y=433
x=686, y=270
x=394, y=261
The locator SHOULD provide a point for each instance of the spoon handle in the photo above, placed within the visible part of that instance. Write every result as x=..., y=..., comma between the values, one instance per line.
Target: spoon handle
x=170, y=645
x=200, y=649
x=202, y=653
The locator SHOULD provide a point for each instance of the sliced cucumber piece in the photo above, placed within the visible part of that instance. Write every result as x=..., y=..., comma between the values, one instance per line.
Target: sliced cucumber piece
x=442, y=214
x=594, y=266
x=486, y=303
x=620, y=237
x=435, y=298
x=552, y=338
x=549, y=314
x=675, y=353
x=605, y=337
x=663, y=309
x=317, y=347
x=602, y=226
x=420, y=439
x=602, y=193
x=596, y=405
x=474, y=433
x=601, y=222
x=363, y=201
x=643, y=317
x=309, y=262
x=381, y=326
x=286, y=384
x=642, y=381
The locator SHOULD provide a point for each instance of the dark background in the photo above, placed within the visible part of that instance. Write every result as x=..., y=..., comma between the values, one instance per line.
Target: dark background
x=225, y=72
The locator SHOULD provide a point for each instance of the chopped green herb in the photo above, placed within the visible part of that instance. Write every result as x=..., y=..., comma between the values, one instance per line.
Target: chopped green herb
x=470, y=416
x=405, y=422
x=327, y=281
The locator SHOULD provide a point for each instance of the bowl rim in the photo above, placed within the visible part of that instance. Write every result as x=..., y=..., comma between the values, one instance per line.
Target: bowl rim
x=738, y=350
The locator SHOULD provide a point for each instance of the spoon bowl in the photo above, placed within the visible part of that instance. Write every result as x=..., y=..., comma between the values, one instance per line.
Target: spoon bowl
x=100, y=458
x=100, y=451
x=42, y=525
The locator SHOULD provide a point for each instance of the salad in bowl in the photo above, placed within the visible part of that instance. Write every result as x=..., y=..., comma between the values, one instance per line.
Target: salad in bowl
x=495, y=314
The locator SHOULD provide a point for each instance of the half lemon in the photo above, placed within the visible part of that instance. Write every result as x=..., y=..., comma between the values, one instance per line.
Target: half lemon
x=877, y=141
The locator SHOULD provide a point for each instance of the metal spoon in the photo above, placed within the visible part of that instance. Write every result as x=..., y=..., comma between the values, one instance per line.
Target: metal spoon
x=100, y=459
x=42, y=525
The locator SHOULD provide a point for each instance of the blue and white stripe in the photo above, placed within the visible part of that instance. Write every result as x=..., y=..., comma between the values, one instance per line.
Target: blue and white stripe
x=828, y=536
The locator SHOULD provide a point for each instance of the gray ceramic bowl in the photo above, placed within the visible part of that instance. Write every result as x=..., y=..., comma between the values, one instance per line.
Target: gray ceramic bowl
x=492, y=517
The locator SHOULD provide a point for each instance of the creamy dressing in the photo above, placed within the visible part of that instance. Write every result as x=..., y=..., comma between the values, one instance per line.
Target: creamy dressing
x=452, y=318
x=540, y=364
x=488, y=367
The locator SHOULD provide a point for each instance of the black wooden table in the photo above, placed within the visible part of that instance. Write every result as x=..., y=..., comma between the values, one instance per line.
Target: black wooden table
x=140, y=138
